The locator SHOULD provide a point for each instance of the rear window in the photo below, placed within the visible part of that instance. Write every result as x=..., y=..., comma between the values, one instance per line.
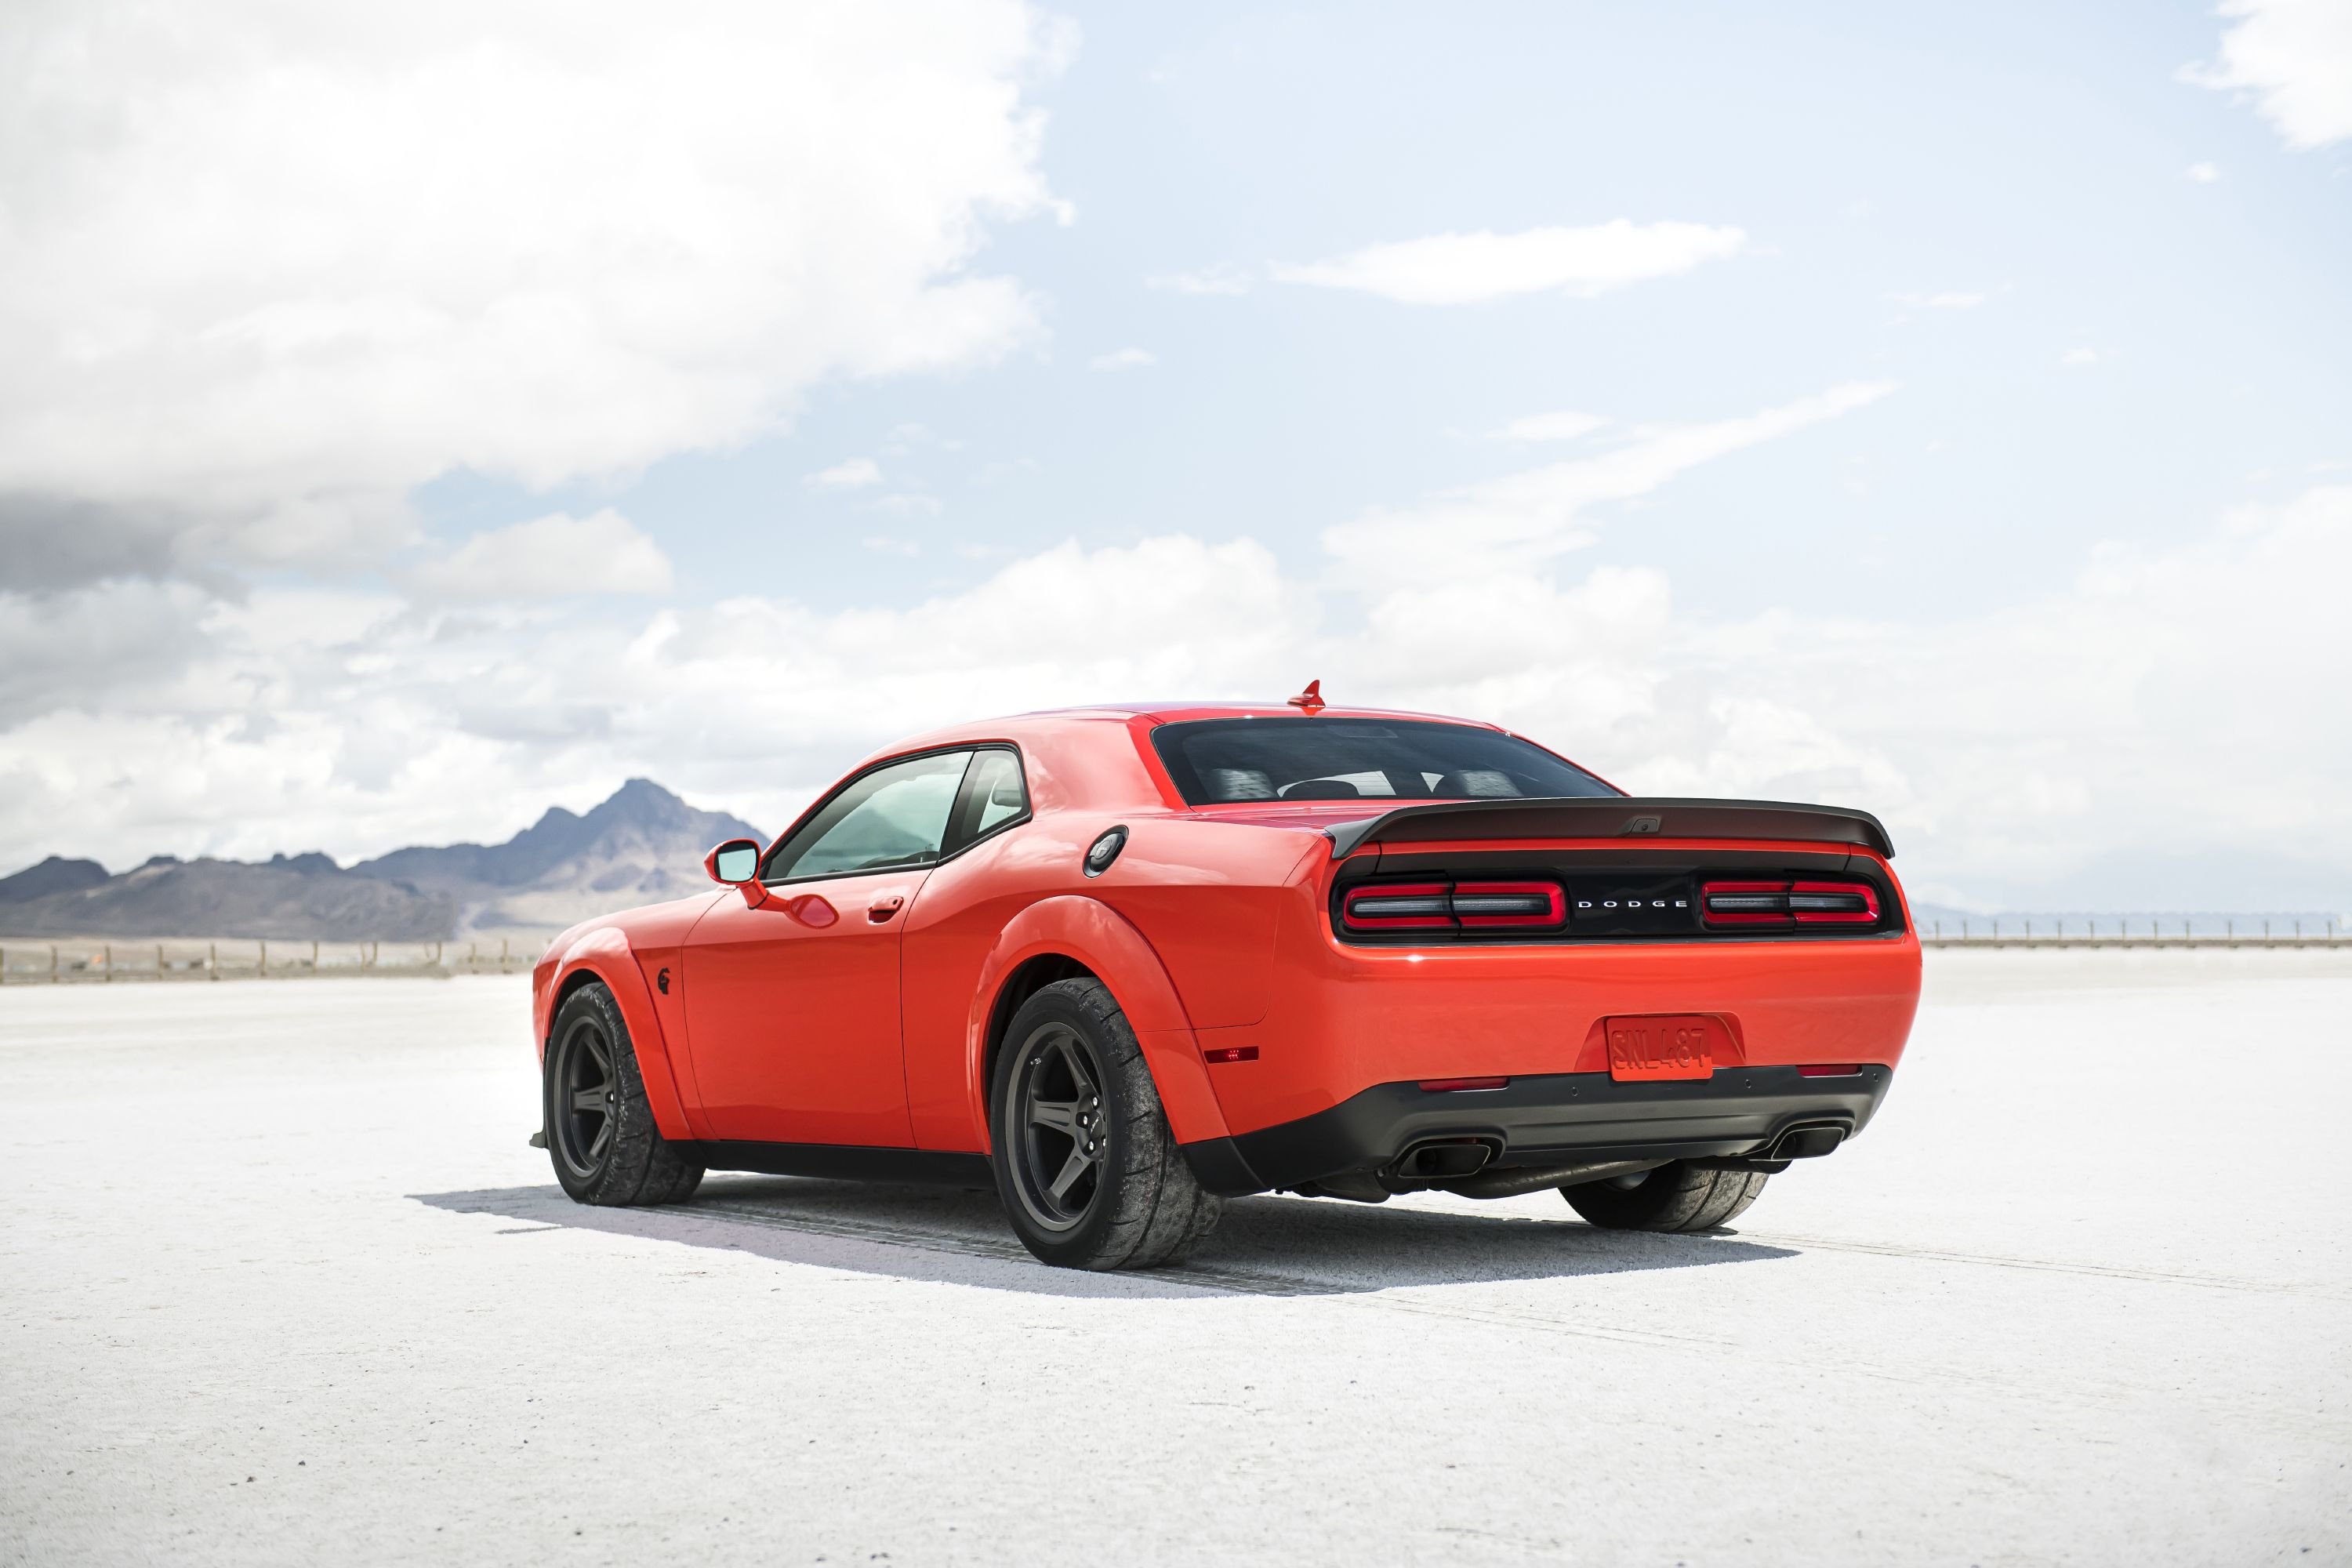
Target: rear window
x=1217, y=762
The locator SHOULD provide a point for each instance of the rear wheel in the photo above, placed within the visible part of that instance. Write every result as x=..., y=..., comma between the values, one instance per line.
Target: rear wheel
x=1089, y=1171
x=600, y=1132
x=1672, y=1197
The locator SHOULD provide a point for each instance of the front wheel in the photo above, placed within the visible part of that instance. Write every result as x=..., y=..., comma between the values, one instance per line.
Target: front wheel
x=600, y=1130
x=1089, y=1171
x=1672, y=1197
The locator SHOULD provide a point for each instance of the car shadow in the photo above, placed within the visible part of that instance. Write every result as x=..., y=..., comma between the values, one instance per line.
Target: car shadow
x=1264, y=1245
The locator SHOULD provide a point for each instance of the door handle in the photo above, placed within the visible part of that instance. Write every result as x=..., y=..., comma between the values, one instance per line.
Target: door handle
x=883, y=909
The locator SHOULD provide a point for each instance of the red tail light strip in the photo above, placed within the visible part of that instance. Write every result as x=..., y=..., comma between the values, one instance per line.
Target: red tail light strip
x=1442, y=906
x=1789, y=903
x=1510, y=903
x=1835, y=903
x=1399, y=906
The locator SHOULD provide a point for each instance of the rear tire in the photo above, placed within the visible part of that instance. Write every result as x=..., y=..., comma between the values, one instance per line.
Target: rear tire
x=1676, y=1197
x=601, y=1135
x=1088, y=1169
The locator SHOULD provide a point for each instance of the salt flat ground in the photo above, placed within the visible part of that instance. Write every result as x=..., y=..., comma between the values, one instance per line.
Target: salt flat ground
x=281, y=1281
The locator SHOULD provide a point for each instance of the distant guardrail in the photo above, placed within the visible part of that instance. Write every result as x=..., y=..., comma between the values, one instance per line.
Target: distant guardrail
x=2137, y=930
x=98, y=961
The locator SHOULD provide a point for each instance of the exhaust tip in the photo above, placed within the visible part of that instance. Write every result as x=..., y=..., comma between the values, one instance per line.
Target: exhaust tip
x=1442, y=1160
x=1808, y=1141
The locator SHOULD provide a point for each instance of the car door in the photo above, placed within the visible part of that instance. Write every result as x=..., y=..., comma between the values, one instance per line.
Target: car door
x=791, y=988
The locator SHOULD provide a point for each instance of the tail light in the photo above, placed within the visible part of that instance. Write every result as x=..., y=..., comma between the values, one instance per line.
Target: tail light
x=1400, y=906
x=1444, y=906
x=1510, y=903
x=1789, y=903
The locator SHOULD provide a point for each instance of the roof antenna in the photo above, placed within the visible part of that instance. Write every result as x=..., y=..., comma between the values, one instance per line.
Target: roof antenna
x=1310, y=701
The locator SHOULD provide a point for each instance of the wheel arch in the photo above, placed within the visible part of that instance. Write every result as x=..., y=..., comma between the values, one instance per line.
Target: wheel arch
x=602, y=956
x=1072, y=937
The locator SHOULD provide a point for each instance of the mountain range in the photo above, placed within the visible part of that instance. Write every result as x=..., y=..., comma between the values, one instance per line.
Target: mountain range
x=641, y=844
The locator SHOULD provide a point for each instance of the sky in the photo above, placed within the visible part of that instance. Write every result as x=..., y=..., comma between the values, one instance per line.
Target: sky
x=414, y=417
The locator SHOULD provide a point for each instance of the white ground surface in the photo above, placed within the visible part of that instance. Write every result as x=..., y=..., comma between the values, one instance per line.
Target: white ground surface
x=281, y=1281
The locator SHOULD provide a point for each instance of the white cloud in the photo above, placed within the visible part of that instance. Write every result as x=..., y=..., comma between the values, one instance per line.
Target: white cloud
x=2076, y=358
x=1223, y=278
x=1567, y=424
x=909, y=504
x=2201, y=174
x=1467, y=268
x=855, y=473
x=1947, y=300
x=1124, y=359
x=883, y=545
x=549, y=556
x=1517, y=521
x=268, y=269
x=2294, y=57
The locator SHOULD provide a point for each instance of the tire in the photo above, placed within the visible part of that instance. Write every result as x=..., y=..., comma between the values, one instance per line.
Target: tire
x=1673, y=1197
x=1072, y=1106
x=612, y=1156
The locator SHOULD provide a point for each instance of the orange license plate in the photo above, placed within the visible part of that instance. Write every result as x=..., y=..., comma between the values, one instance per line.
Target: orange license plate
x=1665, y=1046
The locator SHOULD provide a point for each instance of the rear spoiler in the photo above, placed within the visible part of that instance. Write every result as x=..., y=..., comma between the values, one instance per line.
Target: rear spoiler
x=1613, y=816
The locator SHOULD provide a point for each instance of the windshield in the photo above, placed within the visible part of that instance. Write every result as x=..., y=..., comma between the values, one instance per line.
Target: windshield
x=1218, y=761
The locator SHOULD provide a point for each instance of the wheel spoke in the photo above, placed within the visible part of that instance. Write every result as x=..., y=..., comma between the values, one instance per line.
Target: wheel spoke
x=1056, y=1115
x=604, y=1136
x=1077, y=1061
x=1077, y=1165
x=589, y=1100
x=594, y=1039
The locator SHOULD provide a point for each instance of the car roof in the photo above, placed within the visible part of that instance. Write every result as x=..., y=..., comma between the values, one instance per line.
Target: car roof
x=1185, y=713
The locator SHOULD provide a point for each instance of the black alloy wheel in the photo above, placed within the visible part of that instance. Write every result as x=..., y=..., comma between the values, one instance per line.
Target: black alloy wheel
x=1088, y=1171
x=601, y=1134
x=586, y=1095
x=1066, y=1140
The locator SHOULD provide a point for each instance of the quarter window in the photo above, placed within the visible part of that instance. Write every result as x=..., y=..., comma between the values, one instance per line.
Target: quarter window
x=993, y=794
x=896, y=815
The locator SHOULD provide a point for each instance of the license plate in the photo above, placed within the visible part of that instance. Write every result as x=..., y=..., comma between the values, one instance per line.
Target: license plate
x=1665, y=1046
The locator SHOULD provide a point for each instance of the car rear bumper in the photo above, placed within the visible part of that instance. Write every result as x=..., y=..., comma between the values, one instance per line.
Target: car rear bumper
x=1551, y=1117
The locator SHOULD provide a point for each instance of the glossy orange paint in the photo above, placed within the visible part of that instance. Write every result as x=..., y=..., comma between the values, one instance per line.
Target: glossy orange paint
x=796, y=1014
x=792, y=1011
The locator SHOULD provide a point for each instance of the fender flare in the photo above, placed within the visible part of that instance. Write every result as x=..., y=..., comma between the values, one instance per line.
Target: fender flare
x=1102, y=939
x=605, y=954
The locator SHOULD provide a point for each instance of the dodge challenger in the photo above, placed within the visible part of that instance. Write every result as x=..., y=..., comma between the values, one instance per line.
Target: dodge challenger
x=1123, y=963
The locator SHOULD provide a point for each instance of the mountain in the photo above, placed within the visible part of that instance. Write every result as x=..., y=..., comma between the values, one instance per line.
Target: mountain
x=642, y=844
x=308, y=896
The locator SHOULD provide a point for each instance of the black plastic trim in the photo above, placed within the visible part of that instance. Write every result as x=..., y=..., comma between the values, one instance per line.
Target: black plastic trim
x=1217, y=1164
x=1579, y=1116
x=1616, y=817
x=843, y=1162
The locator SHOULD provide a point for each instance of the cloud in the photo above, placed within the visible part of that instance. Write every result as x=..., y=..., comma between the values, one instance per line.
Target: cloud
x=2201, y=173
x=274, y=267
x=1564, y=425
x=2077, y=358
x=1515, y=521
x=2294, y=58
x=855, y=473
x=1124, y=359
x=1469, y=268
x=1224, y=279
x=2099, y=721
x=548, y=557
x=1949, y=299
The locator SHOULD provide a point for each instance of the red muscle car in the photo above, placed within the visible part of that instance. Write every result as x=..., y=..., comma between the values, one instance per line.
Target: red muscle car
x=1125, y=962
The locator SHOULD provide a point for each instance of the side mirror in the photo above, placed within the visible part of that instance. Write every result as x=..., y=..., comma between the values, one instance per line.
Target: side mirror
x=735, y=862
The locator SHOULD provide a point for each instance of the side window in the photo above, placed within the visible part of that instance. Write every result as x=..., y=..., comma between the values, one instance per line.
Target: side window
x=993, y=794
x=894, y=816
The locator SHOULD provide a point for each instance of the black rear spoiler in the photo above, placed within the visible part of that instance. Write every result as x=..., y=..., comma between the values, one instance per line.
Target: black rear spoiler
x=1612, y=817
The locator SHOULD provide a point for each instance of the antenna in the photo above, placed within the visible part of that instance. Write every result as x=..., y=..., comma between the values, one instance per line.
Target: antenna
x=1310, y=701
